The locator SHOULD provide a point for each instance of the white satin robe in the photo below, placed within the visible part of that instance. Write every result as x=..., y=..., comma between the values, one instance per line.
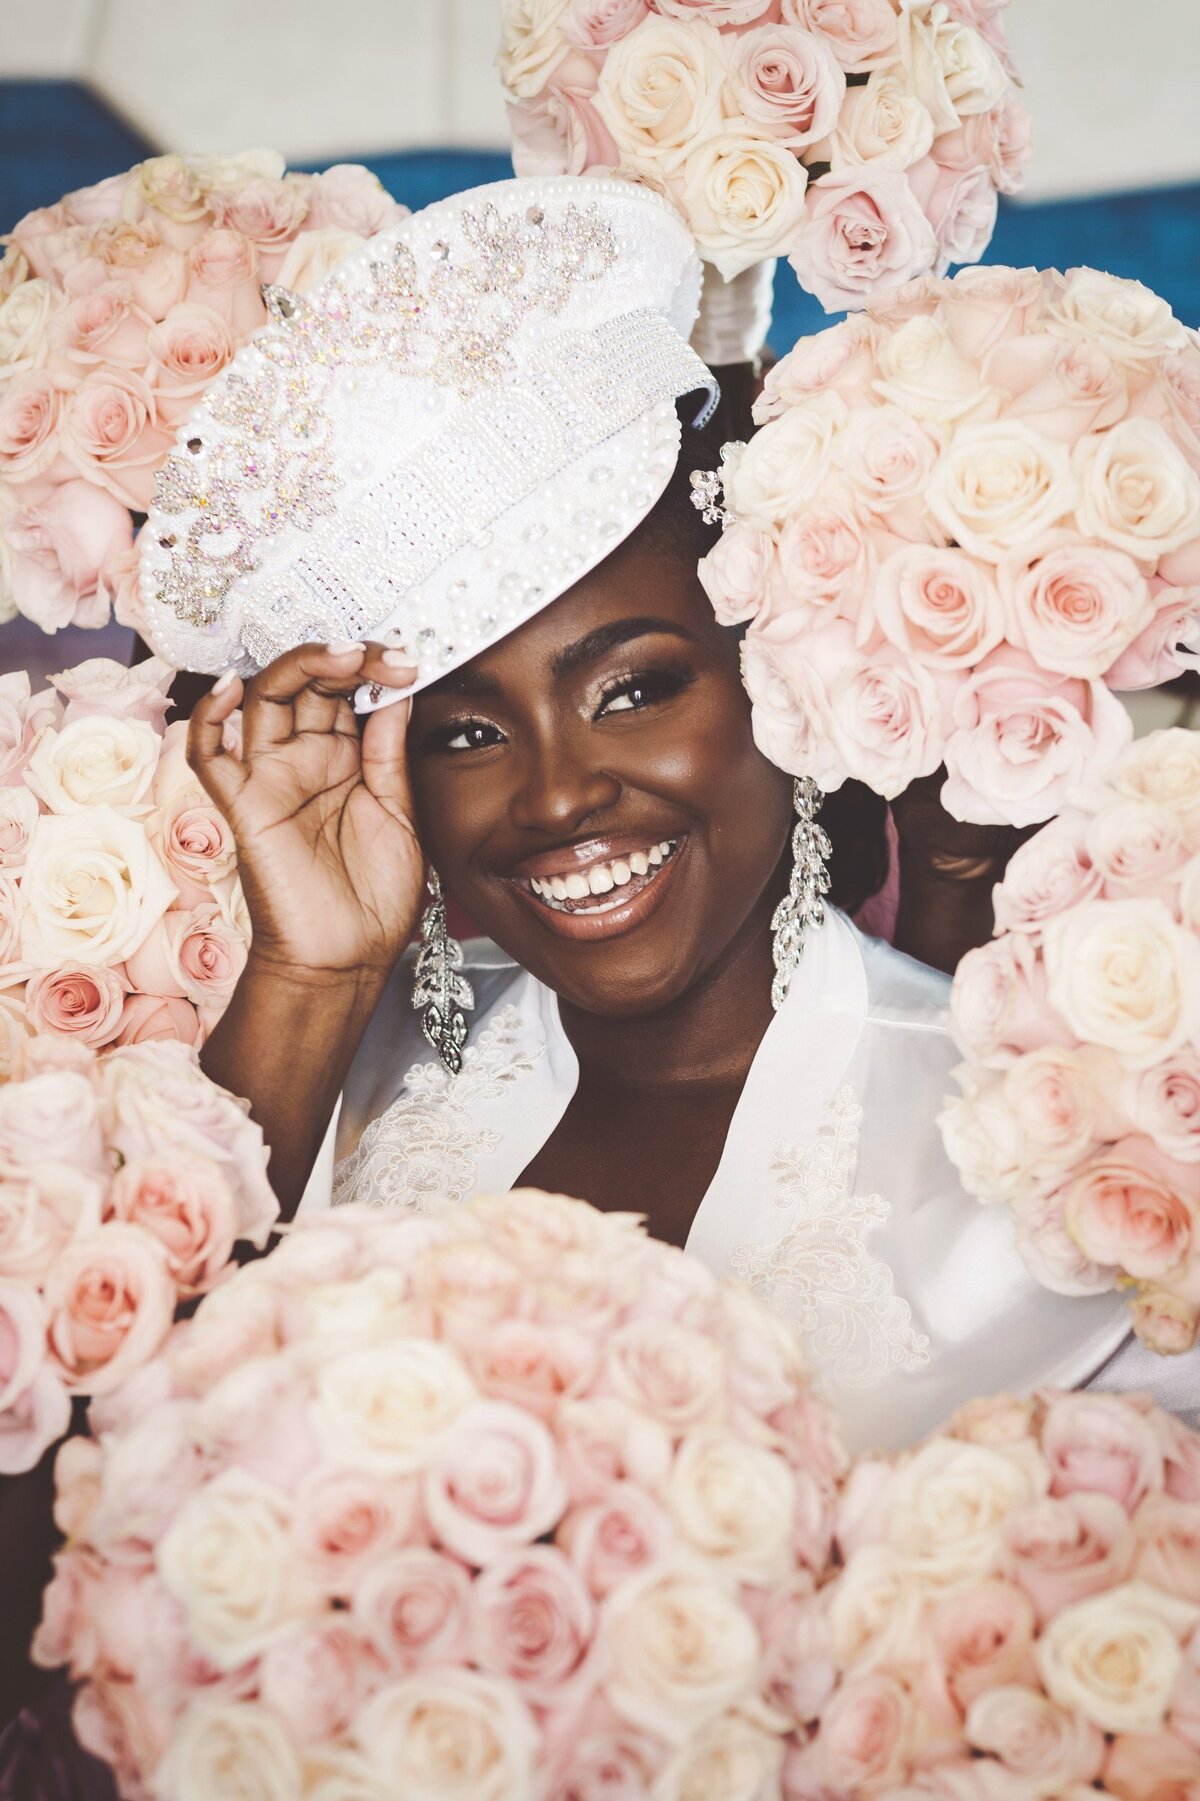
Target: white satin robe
x=833, y=1199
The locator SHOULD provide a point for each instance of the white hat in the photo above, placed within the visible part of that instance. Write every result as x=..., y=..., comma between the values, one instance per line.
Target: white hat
x=470, y=413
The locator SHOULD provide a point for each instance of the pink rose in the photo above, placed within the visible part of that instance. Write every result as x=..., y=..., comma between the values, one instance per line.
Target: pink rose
x=594, y=24
x=602, y=1443
x=195, y=954
x=998, y=1006
x=32, y=408
x=1040, y=1743
x=32, y=1231
x=1074, y=607
x=1166, y=1323
x=1181, y=1458
x=1152, y=1766
x=313, y=1680
x=560, y=131
x=1168, y=1553
x=939, y=606
x=111, y=1302
x=535, y=1367
x=1050, y=874
x=1024, y=739
x=51, y=1118
x=863, y=1734
x=1012, y=143
x=1164, y=648
x=495, y=1484
x=861, y=33
x=880, y=707
x=156, y=272
x=187, y=1206
x=268, y=212
x=186, y=351
x=735, y=573
x=151, y=1018
x=1060, y=1097
x=1049, y=1252
x=1128, y=1207
x=12, y=908
x=617, y=1536
x=961, y=207
x=118, y=588
x=864, y=233
x=347, y=197
x=824, y=559
x=788, y=82
x=1138, y=849
x=19, y=815
x=984, y=308
x=994, y=1420
x=594, y=1755
x=414, y=1607
x=1163, y=1103
x=113, y=435
x=102, y=326
x=34, y=1406
x=671, y=1374
x=887, y=457
x=197, y=847
x=223, y=276
x=1060, y=1551
x=721, y=13
x=80, y=1001
x=23, y=716
x=798, y=1672
x=1063, y=390
x=787, y=717
x=347, y=1521
x=1101, y=1444
x=533, y=1622
x=101, y=687
x=841, y=357
x=983, y=1639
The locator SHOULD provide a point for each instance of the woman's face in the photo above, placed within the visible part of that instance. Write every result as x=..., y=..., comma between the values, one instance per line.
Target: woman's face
x=589, y=789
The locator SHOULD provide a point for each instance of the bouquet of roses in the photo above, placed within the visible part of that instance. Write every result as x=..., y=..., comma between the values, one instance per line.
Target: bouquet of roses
x=122, y=918
x=1019, y=1612
x=502, y=1502
x=865, y=140
x=971, y=514
x=117, y=306
x=125, y=1181
x=1080, y=1024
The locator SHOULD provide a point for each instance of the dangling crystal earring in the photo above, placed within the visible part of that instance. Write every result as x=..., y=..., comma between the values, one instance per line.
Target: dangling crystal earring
x=438, y=988
x=803, y=906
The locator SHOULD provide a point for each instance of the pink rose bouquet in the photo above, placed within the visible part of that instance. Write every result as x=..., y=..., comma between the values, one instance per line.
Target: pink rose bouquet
x=117, y=306
x=865, y=140
x=970, y=515
x=1080, y=1025
x=1019, y=1612
x=504, y=1501
x=121, y=913
x=125, y=1181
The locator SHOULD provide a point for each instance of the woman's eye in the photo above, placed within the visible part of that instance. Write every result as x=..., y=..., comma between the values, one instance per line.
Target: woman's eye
x=638, y=692
x=475, y=735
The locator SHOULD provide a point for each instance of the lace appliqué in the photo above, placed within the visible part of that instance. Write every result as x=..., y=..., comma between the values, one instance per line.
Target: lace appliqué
x=821, y=1273
x=424, y=1151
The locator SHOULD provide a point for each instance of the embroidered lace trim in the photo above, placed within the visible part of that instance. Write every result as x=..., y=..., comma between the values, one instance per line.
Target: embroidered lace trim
x=424, y=1151
x=821, y=1273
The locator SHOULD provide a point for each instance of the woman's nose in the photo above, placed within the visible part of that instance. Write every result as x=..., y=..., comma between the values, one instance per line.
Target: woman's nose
x=558, y=791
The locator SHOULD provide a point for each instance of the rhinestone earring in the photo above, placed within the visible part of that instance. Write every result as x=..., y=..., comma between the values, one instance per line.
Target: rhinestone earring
x=439, y=991
x=803, y=906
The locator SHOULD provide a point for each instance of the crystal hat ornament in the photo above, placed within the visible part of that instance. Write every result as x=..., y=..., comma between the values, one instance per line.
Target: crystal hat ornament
x=470, y=413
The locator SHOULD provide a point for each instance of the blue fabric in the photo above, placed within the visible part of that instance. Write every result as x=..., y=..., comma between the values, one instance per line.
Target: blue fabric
x=56, y=135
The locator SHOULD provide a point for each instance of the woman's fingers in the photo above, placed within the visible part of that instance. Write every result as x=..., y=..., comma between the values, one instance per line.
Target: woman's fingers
x=385, y=758
x=269, y=716
x=221, y=774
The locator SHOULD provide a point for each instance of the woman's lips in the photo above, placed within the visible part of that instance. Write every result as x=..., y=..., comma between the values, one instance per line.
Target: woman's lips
x=612, y=912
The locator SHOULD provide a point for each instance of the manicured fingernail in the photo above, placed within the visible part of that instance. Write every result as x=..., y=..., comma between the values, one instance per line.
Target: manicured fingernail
x=225, y=682
x=398, y=659
x=344, y=647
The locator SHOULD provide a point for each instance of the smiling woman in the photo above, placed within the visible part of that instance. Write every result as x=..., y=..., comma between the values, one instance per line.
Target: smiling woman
x=661, y=1017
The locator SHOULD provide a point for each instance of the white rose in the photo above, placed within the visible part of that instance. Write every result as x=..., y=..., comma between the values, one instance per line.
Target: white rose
x=784, y=464
x=875, y=1611
x=681, y=1651
x=986, y=1143
x=227, y=1558
x=442, y=1733
x=1038, y=1742
x=531, y=43
x=1163, y=768
x=734, y=1760
x=1115, y=1657
x=883, y=122
x=25, y=319
x=93, y=889
x=744, y=199
x=951, y=70
x=1123, y=974
x=386, y=1408
x=1126, y=320
x=922, y=373
x=999, y=485
x=660, y=90
x=224, y=1749
x=733, y=1503
x=949, y=1504
x=1136, y=490
x=96, y=761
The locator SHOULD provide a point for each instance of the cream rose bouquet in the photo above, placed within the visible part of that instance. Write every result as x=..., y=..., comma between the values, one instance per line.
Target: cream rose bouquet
x=117, y=306
x=971, y=514
x=865, y=140
x=507, y=1501
x=1018, y=1615
x=121, y=913
x=1080, y=1025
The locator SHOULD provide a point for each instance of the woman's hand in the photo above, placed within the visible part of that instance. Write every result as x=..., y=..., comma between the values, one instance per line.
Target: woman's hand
x=322, y=813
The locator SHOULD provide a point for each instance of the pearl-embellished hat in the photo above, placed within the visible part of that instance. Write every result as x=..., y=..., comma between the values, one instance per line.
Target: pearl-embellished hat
x=471, y=412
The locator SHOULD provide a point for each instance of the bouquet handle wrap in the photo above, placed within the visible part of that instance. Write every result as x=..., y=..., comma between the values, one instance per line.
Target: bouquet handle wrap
x=735, y=316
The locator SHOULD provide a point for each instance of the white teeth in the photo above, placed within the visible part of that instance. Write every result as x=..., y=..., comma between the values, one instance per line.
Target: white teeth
x=577, y=888
x=639, y=863
x=622, y=874
x=655, y=855
x=558, y=887
x=600, y=879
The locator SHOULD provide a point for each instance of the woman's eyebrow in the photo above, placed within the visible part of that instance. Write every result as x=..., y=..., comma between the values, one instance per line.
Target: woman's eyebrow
x=610, y=637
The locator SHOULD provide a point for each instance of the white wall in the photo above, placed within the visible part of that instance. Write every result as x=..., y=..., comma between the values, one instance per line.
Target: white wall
x=1112, y=84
